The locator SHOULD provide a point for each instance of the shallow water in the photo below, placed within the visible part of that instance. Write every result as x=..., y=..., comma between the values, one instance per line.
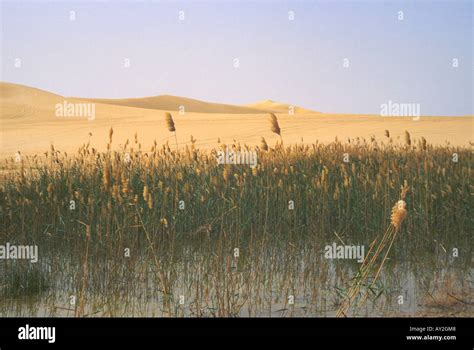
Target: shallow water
x=445, y=292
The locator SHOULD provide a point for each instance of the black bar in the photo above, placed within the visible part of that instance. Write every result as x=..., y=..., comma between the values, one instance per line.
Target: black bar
x=351, y=331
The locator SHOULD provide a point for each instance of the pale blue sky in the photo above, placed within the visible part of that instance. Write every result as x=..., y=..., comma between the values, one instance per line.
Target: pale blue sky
x=298, y=62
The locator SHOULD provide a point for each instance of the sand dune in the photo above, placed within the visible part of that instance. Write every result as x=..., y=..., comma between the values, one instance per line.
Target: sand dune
x=29, y=124
x=10, y=92
x=19, y=101
x=175, y=103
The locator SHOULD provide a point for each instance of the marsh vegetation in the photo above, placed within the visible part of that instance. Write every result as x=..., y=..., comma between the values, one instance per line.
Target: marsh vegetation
x=169, y=232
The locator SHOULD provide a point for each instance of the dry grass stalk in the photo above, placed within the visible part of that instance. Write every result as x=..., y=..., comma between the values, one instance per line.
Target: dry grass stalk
x=369, y=265
x=407, y=138
x=170, y=122
x=111, y=133
x=170, y=125
x=423, y=143
x=274, y=126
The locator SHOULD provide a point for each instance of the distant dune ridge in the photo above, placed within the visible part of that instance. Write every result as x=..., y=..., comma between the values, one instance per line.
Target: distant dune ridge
x=29, y=123
x=16, y=92
x=176, y=103
x=19, y=101
x=21, y=94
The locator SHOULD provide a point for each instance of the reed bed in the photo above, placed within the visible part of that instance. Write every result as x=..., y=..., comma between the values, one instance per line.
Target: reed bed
x=170, y=232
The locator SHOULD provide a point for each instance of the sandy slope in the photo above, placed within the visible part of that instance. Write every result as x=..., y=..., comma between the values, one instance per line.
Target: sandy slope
x=28, y=124
x=173, y=103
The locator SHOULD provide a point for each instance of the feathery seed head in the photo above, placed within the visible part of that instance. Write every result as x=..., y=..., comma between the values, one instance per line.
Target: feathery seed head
x=274, y=124
x=169, y=122
x=407, y=138
x=399, y=213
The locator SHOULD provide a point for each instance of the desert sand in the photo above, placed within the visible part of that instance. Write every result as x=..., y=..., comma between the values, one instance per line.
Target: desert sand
x=29, y=123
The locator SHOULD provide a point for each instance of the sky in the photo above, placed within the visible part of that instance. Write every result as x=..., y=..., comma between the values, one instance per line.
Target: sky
x=331, y=56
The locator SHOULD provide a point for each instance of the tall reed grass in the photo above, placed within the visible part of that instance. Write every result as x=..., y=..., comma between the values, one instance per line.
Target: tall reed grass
x=132, y=201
